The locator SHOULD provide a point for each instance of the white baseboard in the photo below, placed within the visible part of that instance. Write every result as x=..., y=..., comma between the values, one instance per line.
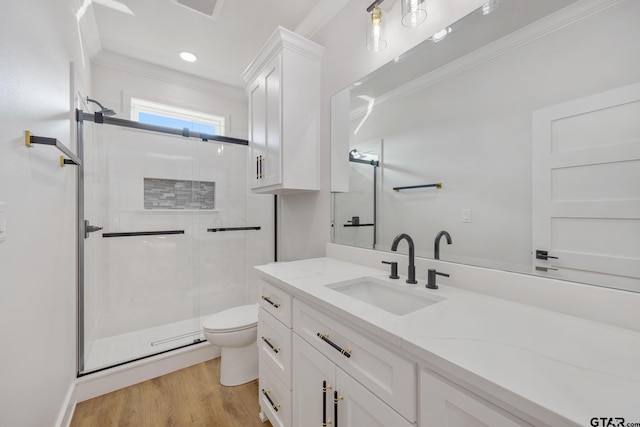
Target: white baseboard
x=68, y=406
x=109, y=380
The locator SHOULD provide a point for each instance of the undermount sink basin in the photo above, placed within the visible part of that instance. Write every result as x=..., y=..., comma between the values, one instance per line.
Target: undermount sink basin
x=395, y=299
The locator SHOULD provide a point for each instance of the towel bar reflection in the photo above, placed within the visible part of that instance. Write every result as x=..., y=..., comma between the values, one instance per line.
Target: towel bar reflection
x=215, y=230
x=29, y=140
x=410, y=187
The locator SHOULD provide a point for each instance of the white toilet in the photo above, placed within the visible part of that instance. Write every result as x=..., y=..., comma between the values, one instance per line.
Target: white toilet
x=235, y=331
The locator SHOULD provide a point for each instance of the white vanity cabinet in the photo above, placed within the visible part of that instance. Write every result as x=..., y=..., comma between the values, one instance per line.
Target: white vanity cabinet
x=365, y=384
x=274, y=354
x=444, y=404
x=325, y=395
x=283, y=87
x=385, y=374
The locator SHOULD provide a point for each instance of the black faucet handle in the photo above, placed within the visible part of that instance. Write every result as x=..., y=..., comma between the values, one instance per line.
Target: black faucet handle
x=394, y=269
x=431, y=278
x=355, y=220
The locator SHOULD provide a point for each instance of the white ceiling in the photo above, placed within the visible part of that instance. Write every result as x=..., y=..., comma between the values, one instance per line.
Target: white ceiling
x=159, y=29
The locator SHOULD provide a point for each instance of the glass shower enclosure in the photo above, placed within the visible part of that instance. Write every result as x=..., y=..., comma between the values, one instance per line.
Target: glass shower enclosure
x=163, y=238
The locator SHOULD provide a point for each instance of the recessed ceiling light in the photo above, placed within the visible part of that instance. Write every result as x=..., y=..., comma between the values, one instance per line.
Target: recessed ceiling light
x=188, y=56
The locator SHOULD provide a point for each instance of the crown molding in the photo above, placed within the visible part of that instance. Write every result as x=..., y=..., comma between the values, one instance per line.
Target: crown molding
x=280, y=40
x=323, y=12
x=135, y=66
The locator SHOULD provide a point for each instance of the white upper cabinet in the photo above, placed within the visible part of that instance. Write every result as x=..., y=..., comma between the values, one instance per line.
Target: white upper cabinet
x=283, y=87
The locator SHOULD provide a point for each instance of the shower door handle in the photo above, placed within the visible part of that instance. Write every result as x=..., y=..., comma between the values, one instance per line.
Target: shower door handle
x=88, y=228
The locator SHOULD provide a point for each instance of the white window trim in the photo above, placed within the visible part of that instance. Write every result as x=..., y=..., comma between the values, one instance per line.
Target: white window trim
x=143, y=106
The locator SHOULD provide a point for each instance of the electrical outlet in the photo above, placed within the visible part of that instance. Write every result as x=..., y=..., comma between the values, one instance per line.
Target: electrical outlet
x=465, y=215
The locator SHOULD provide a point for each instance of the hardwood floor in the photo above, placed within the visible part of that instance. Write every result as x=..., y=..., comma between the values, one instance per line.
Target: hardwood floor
x=189, y=397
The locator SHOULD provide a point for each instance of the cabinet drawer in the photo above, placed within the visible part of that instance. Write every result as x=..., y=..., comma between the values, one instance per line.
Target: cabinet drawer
x=274, y=343
x=274, y=397
x=275, y=301
x=444, y=404
x=385, y=374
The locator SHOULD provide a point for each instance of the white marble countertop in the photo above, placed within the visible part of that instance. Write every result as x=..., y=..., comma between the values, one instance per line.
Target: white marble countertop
x=562, y=369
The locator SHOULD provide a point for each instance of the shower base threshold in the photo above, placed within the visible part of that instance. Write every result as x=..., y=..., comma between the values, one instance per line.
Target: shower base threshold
x=115, y=350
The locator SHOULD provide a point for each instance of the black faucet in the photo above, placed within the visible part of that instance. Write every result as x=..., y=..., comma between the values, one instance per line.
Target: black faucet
x=436, y=245
x=412, y=267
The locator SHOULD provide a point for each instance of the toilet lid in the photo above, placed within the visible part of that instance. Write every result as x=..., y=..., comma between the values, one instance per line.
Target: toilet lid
x=233, y=319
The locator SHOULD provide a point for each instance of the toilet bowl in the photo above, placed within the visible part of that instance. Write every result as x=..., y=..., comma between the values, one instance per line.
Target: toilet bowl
x=235, y=332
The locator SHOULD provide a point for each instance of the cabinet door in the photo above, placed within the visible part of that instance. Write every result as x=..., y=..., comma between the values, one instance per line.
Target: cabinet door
x=355, y=405
x=390, y=377
x=271, y=164
x=257, y=129
x=358, y=407
x=443, y=404
x=311, y=372
x=265, y=119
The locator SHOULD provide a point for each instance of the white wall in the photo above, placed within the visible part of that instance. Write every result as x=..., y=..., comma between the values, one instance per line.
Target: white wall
x=116, y=79
x=38, y=39
x=345, y=59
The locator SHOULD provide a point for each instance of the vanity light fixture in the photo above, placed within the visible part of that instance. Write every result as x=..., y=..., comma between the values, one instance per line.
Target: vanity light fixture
x=413, y=13
x=375, y=33
x=440, y=35
x=188, y=56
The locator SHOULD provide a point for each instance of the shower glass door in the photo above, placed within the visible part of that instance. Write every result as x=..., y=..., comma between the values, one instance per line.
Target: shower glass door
x=153, y=269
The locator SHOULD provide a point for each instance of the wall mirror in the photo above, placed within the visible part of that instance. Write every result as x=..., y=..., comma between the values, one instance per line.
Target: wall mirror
x=518, y=134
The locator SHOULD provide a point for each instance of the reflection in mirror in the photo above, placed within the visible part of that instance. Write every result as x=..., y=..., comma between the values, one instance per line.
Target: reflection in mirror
x=528, y=118
x=354, y=212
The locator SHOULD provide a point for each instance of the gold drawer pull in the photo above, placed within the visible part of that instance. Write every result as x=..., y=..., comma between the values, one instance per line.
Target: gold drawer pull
x=275, y=406
x=268, y=341
x=268, y=299
x=325, y=338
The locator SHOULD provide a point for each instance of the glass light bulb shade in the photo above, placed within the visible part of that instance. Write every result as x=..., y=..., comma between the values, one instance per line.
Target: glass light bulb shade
x=414, y=12
x=375, y=31
x=440, y=35
x=490, y=6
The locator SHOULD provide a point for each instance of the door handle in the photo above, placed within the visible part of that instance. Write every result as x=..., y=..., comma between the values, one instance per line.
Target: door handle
x=88, y=228
x=544, y=255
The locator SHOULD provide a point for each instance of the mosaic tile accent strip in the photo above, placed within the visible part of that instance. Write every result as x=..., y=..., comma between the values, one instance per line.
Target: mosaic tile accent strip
x=178, y=194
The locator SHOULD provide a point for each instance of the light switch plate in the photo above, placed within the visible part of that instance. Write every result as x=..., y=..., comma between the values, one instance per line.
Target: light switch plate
x=3, y=222
x=465, y=215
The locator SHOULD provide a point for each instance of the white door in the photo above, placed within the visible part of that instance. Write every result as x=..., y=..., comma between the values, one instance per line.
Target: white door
x=324, y=393
x=265, y=126
x=273, y=95
x=358, y=407
x=586, y=189
x=313, y=385
x=257, y=129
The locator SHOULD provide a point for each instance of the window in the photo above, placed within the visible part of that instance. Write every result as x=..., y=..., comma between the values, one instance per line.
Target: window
x=175, y=117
